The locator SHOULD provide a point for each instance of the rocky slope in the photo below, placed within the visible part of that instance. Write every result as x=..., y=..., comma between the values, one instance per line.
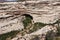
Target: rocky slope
x=46, y=12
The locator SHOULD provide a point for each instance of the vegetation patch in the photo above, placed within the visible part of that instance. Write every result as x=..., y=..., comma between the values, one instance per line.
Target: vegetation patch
x=58, y=29
x=58, y=33
x=7, y=35
x=34, y=26
x=57, y=38
x=37, y=26
x=27, y=21
x=50, y=35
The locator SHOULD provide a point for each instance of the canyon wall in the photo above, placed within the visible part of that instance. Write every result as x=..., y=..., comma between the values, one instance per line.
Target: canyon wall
x=45, y=11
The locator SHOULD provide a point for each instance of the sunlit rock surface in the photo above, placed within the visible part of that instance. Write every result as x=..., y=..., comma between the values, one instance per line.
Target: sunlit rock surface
x=45, y=11
x=41, y=33
x=10, y=23
x=10, y=18
x=41, y=12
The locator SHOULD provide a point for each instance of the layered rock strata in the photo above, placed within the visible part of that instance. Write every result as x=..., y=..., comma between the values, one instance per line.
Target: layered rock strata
x=11, y=16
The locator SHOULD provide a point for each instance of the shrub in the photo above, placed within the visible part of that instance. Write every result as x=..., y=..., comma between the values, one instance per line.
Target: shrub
x=7, y=35
x=27, y=21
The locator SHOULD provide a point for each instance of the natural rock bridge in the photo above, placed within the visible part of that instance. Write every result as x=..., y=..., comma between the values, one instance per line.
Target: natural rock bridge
x=12, y=14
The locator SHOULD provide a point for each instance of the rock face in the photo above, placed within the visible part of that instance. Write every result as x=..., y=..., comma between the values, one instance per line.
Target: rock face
x=10, y=20
x=13, y=24
x=44, y=11
x=41, y=33
x=11, y=16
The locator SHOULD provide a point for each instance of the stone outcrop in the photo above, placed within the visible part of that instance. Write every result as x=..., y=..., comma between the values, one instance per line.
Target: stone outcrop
x=11, y=16
x=41, y=33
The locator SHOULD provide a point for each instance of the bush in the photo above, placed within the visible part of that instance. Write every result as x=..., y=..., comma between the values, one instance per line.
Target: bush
x=50, y=35
x=7, y=35
x=58, y=33
x=37, y=26
x=27, y=21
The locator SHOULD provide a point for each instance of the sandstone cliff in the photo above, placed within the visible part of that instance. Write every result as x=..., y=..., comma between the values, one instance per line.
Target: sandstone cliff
x=12, y=15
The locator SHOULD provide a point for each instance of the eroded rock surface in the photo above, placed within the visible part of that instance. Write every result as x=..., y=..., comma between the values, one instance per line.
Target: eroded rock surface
x=11, y=16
